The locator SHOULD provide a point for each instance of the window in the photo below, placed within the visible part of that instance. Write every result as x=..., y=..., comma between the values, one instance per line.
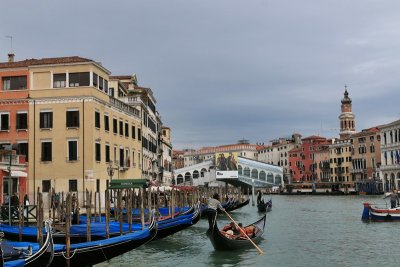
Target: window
x=97, y=119
x=14, y=83
x=72, y=118
x=4, y=121
x=22, y=121
x=79, y=79
x=121, y=127
x=95, y=80
x=97, y=185
x=106, y=86
x=101, y=83
x=121, y=157
x=98, y=152
x=133, y=132
x=107, y=153
x=23, y=150
x=72, y=150
x=106, y=123
x=46, y=150
x=139, y=133
x=59, y=80
x=46, y=185
x=126, y=129
x=111, y=91
x=46, y=120
x=73, y=185
x=115, y=126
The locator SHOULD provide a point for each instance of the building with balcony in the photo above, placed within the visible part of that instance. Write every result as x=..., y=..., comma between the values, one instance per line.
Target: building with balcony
x=340, y=153
x=142, y=99
x=77, y=125
x=277, y=153
x=390, y=155
x=302, y=164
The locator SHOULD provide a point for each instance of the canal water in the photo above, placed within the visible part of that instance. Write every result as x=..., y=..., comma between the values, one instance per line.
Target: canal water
x=300, y=231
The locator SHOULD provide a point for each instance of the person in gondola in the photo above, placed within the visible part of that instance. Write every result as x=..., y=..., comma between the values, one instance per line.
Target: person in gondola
x=213, y=206
x=259, y=197
x=394, y=199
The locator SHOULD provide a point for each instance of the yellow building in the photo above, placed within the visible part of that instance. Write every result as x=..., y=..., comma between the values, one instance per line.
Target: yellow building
x=80, y=133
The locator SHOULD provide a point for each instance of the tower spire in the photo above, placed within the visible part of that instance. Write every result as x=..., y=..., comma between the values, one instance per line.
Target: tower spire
x=346, y=117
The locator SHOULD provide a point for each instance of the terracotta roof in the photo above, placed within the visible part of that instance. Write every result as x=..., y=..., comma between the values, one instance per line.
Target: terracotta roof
x=43, y=61
x=313, y=137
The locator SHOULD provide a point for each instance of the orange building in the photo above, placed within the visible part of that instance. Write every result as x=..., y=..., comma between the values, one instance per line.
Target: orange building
x=14, y=106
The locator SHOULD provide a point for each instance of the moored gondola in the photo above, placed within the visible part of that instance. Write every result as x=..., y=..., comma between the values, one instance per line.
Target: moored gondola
x=222, y=241
x=90, y=253
x=42, y=256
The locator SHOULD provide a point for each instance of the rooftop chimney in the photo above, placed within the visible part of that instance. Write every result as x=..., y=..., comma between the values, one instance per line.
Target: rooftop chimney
x=11, y=57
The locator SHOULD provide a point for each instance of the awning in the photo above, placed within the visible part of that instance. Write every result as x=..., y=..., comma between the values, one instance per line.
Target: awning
x=17, y=173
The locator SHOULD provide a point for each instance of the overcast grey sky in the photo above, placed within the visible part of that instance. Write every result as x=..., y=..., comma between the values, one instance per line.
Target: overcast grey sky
x=223, y=70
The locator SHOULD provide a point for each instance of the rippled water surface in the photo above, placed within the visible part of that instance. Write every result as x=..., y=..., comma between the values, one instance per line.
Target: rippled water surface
x=300, y=231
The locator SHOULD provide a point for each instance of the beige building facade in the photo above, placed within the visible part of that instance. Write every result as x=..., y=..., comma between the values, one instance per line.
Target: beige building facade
x=80, y=137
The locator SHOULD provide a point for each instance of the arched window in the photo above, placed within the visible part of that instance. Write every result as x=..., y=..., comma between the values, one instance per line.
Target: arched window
x=270, y=178
x=202, y=172
x=278, y=179
x=240, y=170
x=262, y=176
x=246, y=171
x=195, y=174
x=187, y=177
x=254, y=173
x=179, y=179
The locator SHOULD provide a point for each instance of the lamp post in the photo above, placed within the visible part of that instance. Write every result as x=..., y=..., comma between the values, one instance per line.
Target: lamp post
x=110, y=171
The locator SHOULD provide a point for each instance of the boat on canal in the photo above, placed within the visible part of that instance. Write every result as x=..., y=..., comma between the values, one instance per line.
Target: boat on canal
x=380, y=214
x=94, y=252
x=15, y=254
x=265, y=206
x=224, y=241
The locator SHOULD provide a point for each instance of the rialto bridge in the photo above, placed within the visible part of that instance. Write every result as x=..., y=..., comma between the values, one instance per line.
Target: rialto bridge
x=250, y=173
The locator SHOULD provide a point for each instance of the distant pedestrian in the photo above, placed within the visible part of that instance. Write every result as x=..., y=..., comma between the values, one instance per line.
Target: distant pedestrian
x=394, y=198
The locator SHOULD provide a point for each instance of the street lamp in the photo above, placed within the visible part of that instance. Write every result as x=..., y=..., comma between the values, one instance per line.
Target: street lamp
x=110, y=169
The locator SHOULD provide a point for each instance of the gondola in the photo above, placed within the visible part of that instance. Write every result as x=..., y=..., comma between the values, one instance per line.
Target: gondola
x=228, y=206
x=17, y=254
x=221, y=242
x=90, y=253
x=166, y=225
x=171, y=226
x=237, y=205
x=78, y=232
x=264, y=206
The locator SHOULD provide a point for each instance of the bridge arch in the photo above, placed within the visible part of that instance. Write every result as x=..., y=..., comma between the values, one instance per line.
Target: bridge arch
x=240, y=170
x=254, y=173
x=195, y=174
x=179, y=179
x=278, y=179
x=246, y=171
x=262, y=176
x=270, y=178
x=188, y=175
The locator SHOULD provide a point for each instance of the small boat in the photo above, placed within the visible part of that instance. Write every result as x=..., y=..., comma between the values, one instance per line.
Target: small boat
x=264, y=206
x=228, y=206
x=236, y=205
x=171, y=226
x=90, y=253
x=221, y=241
x=376, y=214
x=28, y=254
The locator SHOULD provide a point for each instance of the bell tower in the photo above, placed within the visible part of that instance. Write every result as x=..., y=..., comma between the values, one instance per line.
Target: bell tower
x=346, y=117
